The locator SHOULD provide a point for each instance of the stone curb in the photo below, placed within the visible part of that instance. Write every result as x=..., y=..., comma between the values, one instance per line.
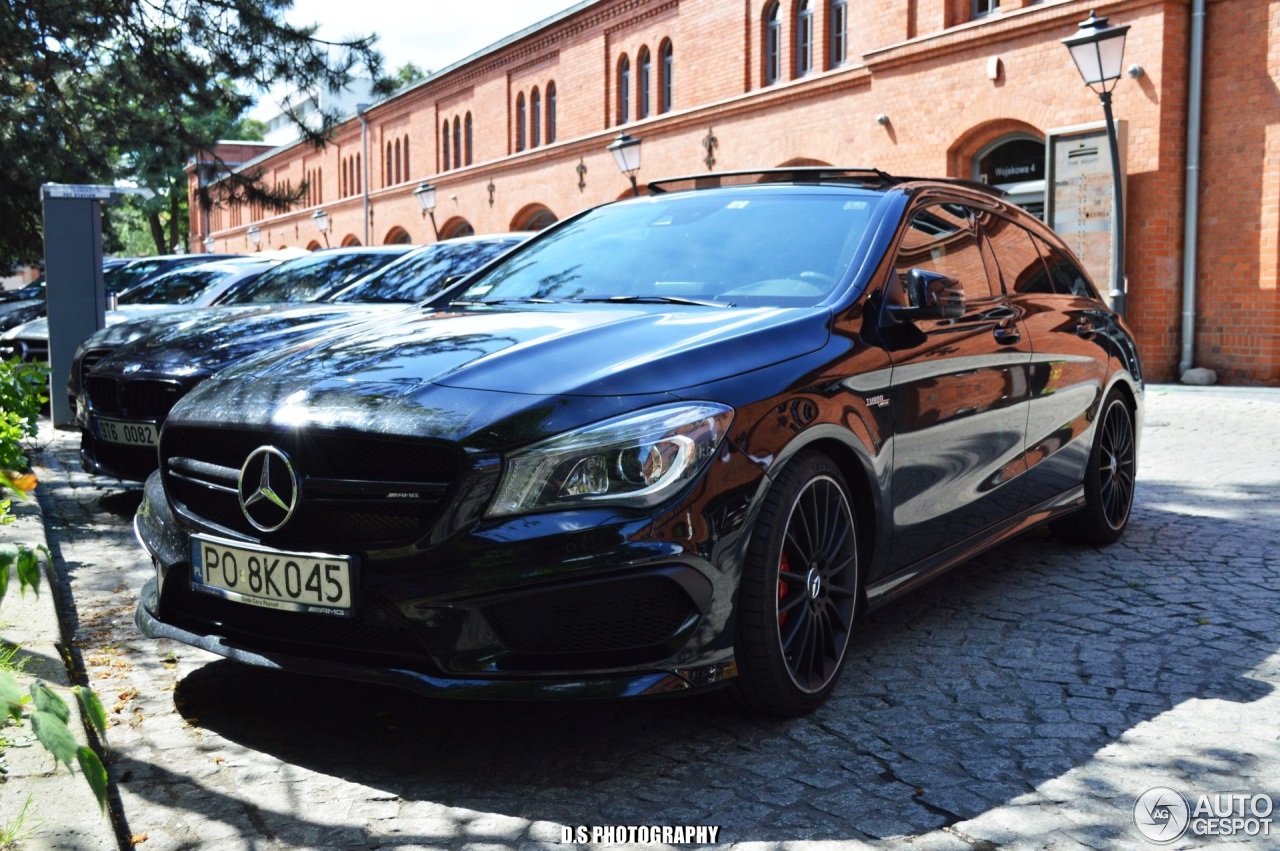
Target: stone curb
x=61, y=812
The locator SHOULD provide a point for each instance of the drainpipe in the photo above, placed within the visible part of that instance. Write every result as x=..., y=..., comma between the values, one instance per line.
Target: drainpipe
x=1191, y=217
x=361, y=109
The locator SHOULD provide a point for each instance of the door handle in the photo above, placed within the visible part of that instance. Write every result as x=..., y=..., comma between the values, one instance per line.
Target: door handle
x=1005, y=335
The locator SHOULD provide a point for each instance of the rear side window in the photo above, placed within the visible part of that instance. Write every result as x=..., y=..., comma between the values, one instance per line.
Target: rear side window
x=1065, y=272
x=1021, y=266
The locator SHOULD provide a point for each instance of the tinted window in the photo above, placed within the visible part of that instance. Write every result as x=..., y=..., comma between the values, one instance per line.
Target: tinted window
x=1065, y=272
x=180, y=287
x=1019, y=261
x=942, y=238
x=424, y=274
x=750, y=247
x=308, y=278
x=121, y=278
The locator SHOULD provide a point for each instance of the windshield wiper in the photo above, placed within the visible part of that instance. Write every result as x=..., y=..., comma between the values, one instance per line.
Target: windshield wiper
x=658, y=299
x=494, y=301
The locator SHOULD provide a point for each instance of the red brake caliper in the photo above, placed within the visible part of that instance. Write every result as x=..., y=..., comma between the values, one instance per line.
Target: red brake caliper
x=783, y=567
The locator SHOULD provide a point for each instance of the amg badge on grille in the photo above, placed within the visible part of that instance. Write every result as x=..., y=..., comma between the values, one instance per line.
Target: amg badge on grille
x=268, y=488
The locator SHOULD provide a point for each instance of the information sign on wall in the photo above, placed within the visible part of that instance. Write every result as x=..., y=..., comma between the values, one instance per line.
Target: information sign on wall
x=1080, y=202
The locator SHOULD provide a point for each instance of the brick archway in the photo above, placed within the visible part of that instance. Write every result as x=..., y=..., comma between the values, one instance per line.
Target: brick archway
x=456, y=226
x=966, y=146
x=350, y=240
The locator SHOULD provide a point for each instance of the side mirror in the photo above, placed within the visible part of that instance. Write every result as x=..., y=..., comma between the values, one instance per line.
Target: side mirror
x=929, y=296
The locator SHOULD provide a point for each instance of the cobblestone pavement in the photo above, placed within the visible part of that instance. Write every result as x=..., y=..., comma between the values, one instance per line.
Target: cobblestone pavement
x=1022, y=701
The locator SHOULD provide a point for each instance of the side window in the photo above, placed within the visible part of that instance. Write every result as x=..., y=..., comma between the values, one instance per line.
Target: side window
x=1065, y=272
x=943, y=238
x=1019, y=262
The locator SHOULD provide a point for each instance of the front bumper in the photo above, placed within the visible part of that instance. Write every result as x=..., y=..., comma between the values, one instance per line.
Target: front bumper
x=597, y=687
x=477, y=618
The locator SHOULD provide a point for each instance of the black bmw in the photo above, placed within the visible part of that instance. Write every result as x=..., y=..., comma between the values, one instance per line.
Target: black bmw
x=674, y=442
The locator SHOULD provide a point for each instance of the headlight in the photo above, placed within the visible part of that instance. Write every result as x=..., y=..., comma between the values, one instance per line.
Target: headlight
x=633, y=461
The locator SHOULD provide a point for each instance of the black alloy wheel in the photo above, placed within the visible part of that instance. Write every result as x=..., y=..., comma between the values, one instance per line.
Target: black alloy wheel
x=1109, y=480
x=799, y=591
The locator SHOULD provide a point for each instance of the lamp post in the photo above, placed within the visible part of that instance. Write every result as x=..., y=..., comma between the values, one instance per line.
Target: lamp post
x=626, y=153
x=208, y=245
x=321, y=218
x=255, y=236
x=1098, y=51
x=426, y=195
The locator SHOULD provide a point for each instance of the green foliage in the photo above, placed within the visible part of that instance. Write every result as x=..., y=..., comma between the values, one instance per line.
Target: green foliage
x=408, y=74
x=44, y=708
x=92, y=92
x=22, y=392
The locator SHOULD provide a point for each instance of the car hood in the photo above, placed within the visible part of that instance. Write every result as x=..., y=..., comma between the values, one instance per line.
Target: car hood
x=15, y=313
x=201, y=341
x=423, y=365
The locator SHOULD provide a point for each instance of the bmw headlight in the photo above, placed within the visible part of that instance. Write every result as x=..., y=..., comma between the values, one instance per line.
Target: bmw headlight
x=633, y=461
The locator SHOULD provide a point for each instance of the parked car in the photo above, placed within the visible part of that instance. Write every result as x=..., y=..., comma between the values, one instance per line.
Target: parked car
x=129, y=390
x=676, y=442
x=182, y=288
x=27, y=303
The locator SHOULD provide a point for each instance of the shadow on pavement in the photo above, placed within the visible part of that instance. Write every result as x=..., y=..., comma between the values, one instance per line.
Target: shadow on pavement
x=1007, y=673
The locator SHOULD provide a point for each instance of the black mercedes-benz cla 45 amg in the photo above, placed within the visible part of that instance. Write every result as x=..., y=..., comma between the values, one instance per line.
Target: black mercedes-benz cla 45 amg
x=681, y=441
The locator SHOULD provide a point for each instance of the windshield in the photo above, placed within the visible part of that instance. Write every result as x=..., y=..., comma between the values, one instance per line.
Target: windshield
x=756, y=247
x=309, y=278
x=426, y=273
x=121, y=278
x=182, y=286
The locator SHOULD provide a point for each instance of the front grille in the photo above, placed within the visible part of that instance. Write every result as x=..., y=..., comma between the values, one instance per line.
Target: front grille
x=377, y=626
x=149, y=399
x=103, y=394
x=89, y=360
x=620, y=614
x=203, y=465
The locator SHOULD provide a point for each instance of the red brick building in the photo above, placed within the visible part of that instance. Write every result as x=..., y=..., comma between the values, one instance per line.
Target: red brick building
x=515, y=136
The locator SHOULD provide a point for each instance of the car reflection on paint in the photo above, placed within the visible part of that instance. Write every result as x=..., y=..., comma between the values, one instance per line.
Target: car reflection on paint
x=676, y=442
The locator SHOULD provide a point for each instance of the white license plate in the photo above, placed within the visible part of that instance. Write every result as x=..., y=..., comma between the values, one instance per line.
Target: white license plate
x=122, y=431
x=298, y=582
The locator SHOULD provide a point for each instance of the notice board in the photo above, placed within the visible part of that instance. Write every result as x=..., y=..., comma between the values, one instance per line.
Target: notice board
x=1080, y=206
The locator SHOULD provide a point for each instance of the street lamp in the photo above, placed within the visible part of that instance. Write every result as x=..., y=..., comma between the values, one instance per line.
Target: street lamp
x=255, y=237
x=426, y=195
x=1098, y=51
x=208, y=245
x=626, y=153
x=321, y=218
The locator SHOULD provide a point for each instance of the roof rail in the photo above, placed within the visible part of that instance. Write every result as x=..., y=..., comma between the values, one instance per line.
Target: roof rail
x=799, y=174
x=871, y=177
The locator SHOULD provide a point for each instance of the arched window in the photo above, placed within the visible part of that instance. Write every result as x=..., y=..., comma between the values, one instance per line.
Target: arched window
x=772, y=44
x=804, y=38
x=535, y=119
x=359, y=173
x=467, y=130
x=444, y=141
x=665, y=62
x=406, y=157
x=398, y=173
x=551, y=113
x=642, y=85
x=837, y=26
x=457, y=142
x=624, y=89
x=387, y=172
x=342, y=179
x=520, y=122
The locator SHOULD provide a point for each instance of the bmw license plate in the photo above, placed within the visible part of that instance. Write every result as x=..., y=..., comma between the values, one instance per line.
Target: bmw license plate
x=297, y=582
x=127, y=433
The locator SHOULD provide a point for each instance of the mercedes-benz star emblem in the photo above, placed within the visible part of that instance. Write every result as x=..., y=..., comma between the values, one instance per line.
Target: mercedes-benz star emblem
x=268, y=488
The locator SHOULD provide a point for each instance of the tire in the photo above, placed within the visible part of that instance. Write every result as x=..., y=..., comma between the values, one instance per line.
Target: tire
x=1108, y=480
x=798, y=592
